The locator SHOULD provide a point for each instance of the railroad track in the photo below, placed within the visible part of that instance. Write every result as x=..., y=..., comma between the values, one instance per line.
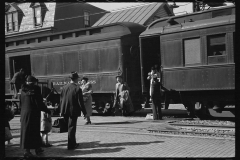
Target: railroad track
x=224, y=129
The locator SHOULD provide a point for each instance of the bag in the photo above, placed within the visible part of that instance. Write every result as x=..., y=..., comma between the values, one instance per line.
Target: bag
x=59, y=126
x=9, y=113
x=85, y=98
x=8, y=135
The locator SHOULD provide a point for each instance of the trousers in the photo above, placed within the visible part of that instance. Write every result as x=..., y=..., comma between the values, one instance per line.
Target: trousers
x=72, y=126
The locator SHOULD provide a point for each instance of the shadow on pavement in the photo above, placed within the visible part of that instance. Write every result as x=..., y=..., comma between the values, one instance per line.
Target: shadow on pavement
x=78, y=152
x=126, y=122
x=94, y=147
x=96, y=144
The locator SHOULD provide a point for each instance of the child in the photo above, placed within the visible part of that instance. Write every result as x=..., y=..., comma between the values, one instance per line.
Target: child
x=46, y=126
x=9, y=115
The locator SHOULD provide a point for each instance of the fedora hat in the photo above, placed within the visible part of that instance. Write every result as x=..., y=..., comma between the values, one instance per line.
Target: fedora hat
x=119, y=76
x=32, y=79
x=85, y=78
x=73, y=75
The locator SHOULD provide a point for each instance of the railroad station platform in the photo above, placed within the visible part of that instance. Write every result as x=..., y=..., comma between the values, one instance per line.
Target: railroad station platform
x=113, y=137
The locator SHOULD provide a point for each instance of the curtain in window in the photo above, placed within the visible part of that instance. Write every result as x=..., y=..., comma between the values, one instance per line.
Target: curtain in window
x=9, y=19
x=37, y=15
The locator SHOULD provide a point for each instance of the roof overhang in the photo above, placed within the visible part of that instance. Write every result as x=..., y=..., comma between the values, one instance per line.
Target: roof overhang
x=152, y=32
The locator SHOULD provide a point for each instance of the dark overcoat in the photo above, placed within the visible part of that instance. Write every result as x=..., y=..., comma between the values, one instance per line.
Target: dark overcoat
x=71, y=100
x=31, y=103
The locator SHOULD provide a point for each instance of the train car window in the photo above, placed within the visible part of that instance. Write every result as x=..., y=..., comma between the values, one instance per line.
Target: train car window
x=54, y=64
x=39, y=64
x=90, y=60
x=216, y=48
x=70, y=61
x=192, y=51
x=109, y=59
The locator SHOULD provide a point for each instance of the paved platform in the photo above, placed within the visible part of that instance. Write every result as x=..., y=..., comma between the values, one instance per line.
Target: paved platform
x=126, y=137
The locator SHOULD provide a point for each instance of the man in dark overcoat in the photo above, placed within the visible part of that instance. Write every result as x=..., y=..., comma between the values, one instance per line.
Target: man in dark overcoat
x=156, y=97
x=31, y=103
x=71, y=106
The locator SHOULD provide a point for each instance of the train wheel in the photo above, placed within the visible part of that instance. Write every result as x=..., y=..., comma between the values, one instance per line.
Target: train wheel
x=201, y=110
x=190, y=109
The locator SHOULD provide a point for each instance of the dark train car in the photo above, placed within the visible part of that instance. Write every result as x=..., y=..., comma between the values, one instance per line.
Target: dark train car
x=197, y=58
x=100, y=55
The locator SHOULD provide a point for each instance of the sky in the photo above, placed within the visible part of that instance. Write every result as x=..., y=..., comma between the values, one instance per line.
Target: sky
x=184, y=7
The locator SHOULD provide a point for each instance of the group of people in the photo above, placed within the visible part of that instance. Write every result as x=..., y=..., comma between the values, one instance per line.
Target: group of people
x=74, y=100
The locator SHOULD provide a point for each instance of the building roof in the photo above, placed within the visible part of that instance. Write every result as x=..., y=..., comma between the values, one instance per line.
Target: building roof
x=138, y=15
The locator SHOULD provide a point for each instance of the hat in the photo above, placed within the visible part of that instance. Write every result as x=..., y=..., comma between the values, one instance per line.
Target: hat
x=73, y=75
x=32, y=79
x=85, y=78
x=119, y=76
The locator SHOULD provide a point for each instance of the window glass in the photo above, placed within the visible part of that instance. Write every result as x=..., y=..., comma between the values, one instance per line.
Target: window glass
x=192, y=51
x=15, y=21
x=37, y=14
x=86, y=19
x=216, y=49
x=216, y=45
x=9, y=19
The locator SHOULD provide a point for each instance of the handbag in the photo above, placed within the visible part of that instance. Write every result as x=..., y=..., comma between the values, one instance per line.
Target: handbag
x=60, y=126
x=8, y=135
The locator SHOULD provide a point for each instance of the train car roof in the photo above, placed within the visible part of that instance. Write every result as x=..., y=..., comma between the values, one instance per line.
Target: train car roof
x=200, y=13
x=124, y=28
x=190, y=25
x=110, y=31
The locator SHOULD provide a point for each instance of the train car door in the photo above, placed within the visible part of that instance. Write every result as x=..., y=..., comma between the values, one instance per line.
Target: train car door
x=150, y=56
x=18, y=62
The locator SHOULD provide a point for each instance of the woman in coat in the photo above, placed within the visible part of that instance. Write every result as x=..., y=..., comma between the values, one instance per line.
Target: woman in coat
x=31, y=103
x=87, y=98
x=122, y=98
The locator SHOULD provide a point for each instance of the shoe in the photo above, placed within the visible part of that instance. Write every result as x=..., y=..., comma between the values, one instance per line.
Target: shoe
x=87, y=123
x=76, y=146
x=39, y=151
x=47, y=145
x=28, y=155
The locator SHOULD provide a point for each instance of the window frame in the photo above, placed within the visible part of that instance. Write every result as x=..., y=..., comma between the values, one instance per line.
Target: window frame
x=184, y=51
x=212, y=59
x=35, y=16
x=86, y=19
x=13, y=22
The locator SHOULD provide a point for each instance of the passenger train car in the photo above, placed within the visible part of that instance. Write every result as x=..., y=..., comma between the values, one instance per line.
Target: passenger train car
x=196, y=52
x=98, y=53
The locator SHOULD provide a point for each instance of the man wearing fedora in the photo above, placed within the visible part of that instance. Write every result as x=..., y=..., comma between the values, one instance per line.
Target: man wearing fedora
x=71, y=106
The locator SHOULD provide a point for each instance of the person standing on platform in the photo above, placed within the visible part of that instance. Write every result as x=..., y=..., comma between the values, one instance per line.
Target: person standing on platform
x=87, y=98
x=71, y=106
x=31, y=103
x=122, y=98
x=155, y=93
x=17, y=81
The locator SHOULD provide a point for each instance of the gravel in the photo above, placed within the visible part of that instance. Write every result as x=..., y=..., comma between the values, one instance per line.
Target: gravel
x=206, y=122
x=194, y=134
